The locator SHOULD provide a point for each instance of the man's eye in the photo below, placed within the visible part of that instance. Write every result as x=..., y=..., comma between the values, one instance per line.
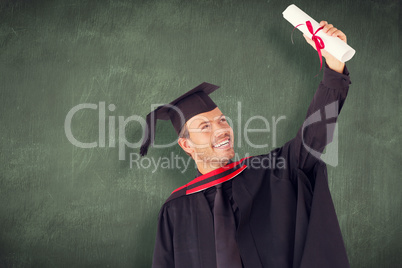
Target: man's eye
x=206, y=126
x=223, y=120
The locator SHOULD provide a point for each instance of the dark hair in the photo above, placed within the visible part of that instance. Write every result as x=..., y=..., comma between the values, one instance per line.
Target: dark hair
x=184, y=133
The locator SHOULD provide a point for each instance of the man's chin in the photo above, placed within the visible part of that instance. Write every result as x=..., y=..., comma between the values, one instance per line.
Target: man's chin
x=227, y=151
x=224, y=159
x=218, y=164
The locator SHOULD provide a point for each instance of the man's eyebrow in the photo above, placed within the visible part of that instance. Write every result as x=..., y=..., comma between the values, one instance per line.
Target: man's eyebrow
x=219, y=117
x=202, y=123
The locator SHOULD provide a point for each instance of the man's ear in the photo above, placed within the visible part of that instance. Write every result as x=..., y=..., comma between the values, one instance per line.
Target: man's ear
x=185, y=145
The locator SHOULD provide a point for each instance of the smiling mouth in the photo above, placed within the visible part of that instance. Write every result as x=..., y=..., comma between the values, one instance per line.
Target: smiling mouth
x=223, y=144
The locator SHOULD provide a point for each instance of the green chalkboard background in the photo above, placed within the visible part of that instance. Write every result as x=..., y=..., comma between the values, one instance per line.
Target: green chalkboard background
x=66, y=206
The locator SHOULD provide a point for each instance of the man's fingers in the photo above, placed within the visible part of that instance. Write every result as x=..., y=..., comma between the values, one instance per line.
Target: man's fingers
x=337, y=33
x=327, y=28
x=340, y=35
x=332, y=31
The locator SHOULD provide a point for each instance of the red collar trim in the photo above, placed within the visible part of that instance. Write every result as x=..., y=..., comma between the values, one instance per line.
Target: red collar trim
x=214, y=173
x=216, y=182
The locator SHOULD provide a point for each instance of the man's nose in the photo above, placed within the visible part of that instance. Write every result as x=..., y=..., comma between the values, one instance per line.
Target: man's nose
x=220, y=131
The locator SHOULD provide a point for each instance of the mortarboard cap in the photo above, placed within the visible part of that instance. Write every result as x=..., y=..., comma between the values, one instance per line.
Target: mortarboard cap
x=179, y=111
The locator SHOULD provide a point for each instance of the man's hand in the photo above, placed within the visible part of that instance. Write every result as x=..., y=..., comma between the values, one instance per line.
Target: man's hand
x=332, y=62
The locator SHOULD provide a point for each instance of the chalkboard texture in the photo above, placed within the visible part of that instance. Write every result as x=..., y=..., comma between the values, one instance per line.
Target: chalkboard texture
x=78, y=77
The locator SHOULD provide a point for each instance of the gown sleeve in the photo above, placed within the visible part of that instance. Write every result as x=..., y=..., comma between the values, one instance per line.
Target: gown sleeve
x=318, y=239
x=163, y=252
x=318, y=128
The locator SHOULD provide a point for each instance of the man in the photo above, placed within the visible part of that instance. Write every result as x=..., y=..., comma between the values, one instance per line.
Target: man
x=248, y=213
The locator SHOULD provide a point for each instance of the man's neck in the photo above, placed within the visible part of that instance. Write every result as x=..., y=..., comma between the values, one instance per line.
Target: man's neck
x=205, y=167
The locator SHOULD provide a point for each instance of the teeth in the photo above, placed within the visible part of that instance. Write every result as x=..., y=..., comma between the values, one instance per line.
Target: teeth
x=222, y=143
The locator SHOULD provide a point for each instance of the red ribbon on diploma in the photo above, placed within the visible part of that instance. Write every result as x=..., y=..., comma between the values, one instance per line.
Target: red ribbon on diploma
x=319, y=44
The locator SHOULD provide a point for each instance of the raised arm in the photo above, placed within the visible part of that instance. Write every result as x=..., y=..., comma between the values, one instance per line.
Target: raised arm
x=318, y=128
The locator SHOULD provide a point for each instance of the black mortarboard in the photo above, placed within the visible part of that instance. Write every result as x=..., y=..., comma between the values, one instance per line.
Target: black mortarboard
x=180, y=110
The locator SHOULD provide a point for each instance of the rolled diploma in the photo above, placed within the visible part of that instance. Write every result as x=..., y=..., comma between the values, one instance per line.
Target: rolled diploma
x=335, y=46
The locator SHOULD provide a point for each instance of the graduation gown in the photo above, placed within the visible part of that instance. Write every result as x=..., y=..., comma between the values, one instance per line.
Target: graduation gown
x=286, y=214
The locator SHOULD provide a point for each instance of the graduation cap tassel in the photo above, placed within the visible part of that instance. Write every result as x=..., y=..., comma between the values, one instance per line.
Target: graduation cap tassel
x=149, y=134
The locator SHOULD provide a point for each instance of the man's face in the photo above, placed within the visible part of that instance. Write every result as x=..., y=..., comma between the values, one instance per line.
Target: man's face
x=211, y=137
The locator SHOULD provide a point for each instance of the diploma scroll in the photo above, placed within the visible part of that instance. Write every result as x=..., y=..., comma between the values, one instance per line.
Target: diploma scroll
x=335, y=46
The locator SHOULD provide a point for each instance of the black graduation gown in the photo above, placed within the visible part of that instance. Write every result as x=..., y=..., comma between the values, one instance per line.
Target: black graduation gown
x=287, y=218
